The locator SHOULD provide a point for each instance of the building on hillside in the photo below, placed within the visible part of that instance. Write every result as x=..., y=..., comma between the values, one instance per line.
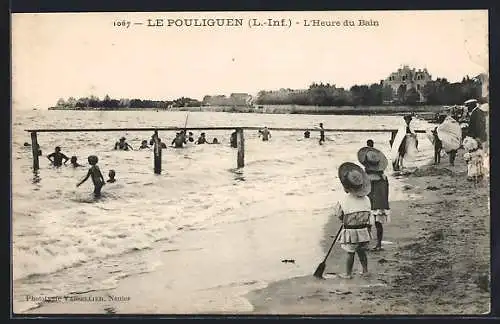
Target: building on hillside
x=405, y=78
x=241, y=99
x=235, y=99
x=483, y=79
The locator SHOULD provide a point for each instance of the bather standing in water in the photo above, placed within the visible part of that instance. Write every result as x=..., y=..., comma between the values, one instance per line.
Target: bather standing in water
x=321, y=134
x=265, y=133
x=123, y=145
x=57, y=157
x=179, y=140
x=74, y=162
x=202, y=139
x=96, y=176
x=111, y=175
x=144, y=145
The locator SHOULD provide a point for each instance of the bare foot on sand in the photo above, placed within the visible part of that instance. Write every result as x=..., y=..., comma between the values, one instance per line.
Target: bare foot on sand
x=344, y=276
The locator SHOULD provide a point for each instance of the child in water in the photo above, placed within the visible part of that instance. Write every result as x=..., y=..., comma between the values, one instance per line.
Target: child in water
x=96, y=176
x=57, y=157
x=375, y=163
x=74, y=162
x=111, y=176
x=354, y=212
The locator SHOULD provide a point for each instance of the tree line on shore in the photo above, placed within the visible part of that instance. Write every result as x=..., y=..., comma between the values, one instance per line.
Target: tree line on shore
x=438, y=92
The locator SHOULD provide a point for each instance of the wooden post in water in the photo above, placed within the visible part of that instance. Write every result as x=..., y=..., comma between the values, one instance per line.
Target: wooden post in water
x=34, y=149
x=240, y=139
x=393, y=136
x=157, y=154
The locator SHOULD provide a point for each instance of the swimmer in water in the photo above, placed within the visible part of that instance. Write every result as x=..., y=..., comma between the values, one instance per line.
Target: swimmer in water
x=179, y=140
x=369, y=143
x=96, y=176
x=321, y=134
x=122, y=145
x=307, y=134
x=202, y=139
x=57, y=157
x=74, y=162
x=111, y=176
x=266, y=134
x=190, y=137
x=215, y=141
x=144, y=145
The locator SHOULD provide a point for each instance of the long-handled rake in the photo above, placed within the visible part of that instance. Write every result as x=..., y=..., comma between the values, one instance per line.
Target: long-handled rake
x=321, y=267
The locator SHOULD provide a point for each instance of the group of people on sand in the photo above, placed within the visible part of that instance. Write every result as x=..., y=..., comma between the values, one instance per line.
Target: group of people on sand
x=467, y=130
x=365, y=205
x=56, y=159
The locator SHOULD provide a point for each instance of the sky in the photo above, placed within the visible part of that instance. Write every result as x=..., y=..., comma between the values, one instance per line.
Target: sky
x=59, y=55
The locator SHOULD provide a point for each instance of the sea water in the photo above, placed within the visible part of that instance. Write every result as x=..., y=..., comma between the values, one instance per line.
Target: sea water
x=63, y=241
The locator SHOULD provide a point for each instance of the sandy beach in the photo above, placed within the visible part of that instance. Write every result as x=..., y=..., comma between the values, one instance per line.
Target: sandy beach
x=436, y=260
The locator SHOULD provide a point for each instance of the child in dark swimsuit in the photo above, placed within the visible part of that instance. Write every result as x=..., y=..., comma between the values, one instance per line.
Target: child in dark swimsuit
x=96, y=176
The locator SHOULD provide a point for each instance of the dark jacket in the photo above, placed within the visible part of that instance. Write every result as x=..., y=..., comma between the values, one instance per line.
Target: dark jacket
x=379, y=195
x=477, y=124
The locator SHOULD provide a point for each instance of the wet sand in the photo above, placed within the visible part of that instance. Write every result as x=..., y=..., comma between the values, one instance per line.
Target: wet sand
x=438, y=260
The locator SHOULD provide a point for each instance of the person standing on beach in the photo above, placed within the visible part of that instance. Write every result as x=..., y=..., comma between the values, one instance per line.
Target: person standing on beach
x=438, y=146
x=406, y=144
x=57, y=157
x=321, y=134
x=96, y=176
x=477, y=123
x=375, y=163
x=354, y=211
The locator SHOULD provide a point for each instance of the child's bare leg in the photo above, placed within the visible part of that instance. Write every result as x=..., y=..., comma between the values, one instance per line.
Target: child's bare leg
x=349, y=263
x=363, y=259
x=380, y=233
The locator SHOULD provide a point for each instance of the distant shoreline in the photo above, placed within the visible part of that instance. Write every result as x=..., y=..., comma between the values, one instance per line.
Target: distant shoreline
x=285, y=109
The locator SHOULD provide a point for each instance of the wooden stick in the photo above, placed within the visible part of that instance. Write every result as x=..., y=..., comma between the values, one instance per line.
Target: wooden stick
x=34, y=149
x=240, y=138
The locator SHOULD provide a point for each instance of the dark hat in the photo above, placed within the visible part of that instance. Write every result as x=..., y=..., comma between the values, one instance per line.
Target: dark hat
x=408, y=117
x=122, y=139
x=372, y=159
x=354, y=179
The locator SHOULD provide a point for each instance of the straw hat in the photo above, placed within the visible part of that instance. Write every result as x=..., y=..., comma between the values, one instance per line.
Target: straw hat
x=372, y=159
x=354, y=179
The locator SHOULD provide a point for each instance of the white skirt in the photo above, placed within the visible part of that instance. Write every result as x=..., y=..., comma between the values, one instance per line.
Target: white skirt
x=382, y=216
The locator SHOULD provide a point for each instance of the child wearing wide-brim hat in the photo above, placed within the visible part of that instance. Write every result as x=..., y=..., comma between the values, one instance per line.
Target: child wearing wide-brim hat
x=375, y=162
x=354, y=212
